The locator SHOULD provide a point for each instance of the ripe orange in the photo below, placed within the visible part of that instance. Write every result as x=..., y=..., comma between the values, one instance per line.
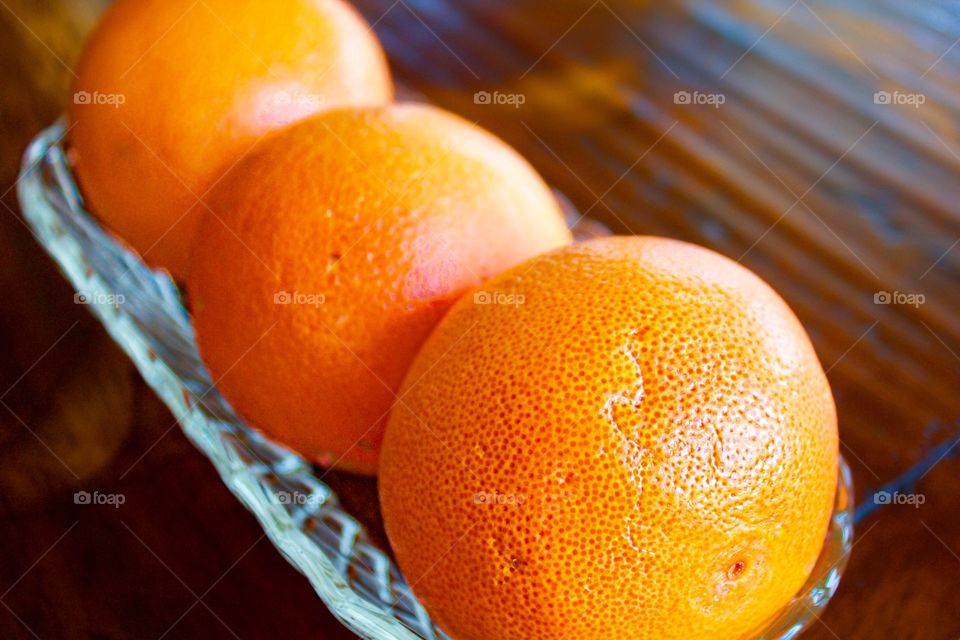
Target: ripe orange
x=332, y=251
x=627, y=438
x=171, y=93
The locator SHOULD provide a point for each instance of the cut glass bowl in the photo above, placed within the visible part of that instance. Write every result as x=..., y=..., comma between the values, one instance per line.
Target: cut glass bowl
x=144, y=313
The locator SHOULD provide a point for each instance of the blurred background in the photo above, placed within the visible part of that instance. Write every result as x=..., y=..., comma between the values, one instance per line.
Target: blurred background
x=815, y=141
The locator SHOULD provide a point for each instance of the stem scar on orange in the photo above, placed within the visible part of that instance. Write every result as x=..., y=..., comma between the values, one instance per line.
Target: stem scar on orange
x=644, y=447
x=171, y=93
x=333, y=249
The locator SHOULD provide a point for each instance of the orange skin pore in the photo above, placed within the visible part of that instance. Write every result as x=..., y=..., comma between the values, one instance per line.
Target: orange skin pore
x=374, y=221
x=171, y=93
x=638, y=441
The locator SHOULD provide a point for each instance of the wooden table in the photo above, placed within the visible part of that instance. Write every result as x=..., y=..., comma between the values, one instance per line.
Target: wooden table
x=181, y=558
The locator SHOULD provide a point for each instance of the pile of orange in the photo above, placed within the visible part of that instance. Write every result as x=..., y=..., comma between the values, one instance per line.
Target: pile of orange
x=629, y=437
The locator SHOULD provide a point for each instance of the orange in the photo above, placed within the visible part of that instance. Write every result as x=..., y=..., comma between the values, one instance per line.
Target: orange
x=626, y=438
x=332, y=251
x=171, y=93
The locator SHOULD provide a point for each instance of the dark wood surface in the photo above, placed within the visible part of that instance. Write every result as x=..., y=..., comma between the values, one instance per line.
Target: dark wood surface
x=180, y=558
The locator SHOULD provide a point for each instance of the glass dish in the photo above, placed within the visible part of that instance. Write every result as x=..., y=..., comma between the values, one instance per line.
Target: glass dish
x=143, y=312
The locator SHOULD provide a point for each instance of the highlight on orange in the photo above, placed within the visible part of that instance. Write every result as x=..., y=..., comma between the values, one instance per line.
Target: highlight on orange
x=630, y=437
x=171, y=93
x=333, y=249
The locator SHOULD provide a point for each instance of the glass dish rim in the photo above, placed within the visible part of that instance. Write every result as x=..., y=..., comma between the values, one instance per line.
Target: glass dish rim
x=47, y=194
